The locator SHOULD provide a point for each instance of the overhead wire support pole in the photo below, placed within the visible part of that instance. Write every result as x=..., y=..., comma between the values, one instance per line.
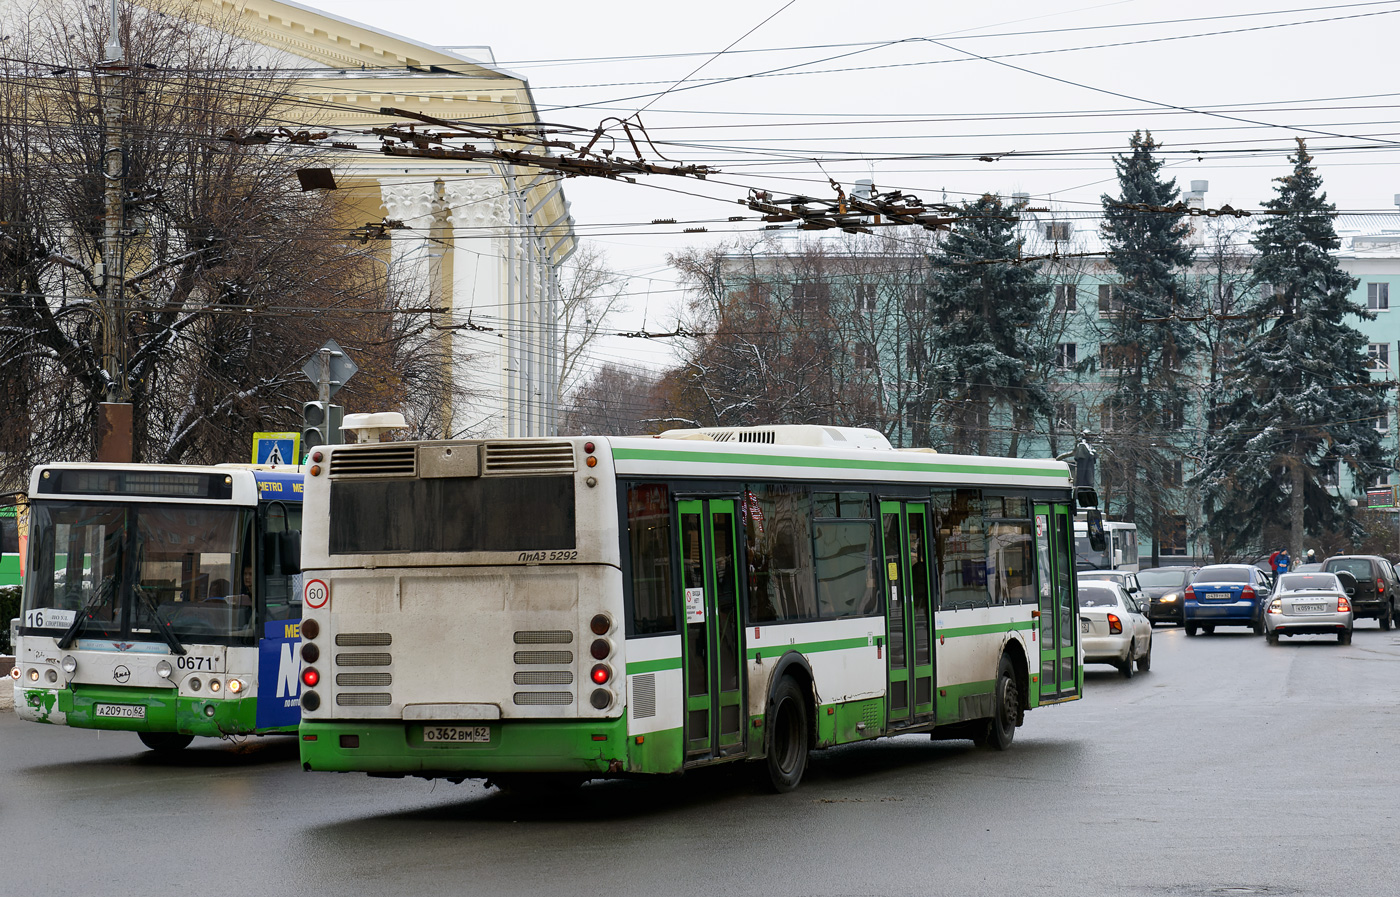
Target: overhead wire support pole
x=115, y=431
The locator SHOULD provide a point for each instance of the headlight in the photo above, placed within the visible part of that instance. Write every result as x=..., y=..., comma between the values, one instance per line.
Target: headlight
x=163, y=669
x=214, y=685
x=235, y=686
x=1170, y=598
x=70, y=664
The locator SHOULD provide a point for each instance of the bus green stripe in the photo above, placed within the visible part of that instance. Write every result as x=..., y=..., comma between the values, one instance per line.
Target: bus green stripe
x=958, y=631
x=629, y=454
x=653, y=666
x=841, y=644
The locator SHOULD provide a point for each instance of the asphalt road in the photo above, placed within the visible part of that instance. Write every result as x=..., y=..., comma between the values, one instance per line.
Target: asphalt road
x=1231, y=768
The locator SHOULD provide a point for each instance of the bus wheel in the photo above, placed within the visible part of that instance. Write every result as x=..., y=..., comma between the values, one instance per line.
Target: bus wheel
x=787, y=737
x=1001, y=728
x=165, y=742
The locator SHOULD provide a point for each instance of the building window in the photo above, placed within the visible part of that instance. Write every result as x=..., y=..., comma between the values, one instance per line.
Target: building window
x=865, y=298
x=1378, y=296
x=1173, y=474
x=1171, y=537
x=1381, y=480
x=1110, y=300
x=1109, y=416
x=865, y=354
x=1383, y=421
x=1066, y=417
x=810, y=295
x=1174, y=417
x=1066, y=355
x=1058, y=230
x=1114, y=357
x=1066, y=297
x=1379, y=355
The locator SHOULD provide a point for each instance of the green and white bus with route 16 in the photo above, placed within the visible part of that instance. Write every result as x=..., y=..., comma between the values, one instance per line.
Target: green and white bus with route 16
x=553, y=610
x=161, y=599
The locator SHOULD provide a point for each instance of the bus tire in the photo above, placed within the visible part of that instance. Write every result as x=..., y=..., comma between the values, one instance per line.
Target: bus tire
x=1006, y=714
x=787, y=724
x=165, y=742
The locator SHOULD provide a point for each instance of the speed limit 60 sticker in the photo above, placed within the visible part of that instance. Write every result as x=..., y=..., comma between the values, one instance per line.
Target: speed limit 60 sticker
x=316, y=594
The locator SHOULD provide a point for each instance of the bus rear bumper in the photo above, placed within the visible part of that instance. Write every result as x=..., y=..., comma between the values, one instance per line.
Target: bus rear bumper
x=593, y=747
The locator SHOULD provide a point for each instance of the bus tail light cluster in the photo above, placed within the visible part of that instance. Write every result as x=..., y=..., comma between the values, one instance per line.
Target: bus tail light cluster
x=310, y=653
x=602, y=673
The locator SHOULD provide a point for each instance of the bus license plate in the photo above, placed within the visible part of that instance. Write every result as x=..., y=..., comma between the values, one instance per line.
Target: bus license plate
x=456, y=734
x=120, y=711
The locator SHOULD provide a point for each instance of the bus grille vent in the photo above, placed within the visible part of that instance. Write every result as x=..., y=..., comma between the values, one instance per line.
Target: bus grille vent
x=364, y=639
x=873, y=716
x=345, y=659
x=364, y=699
x=544, y=677
x=528, y=457
x=544, y=637
x=380, y=459
x=767, y=437
x=544, y=657
x=644, y=695
x=544, y=698
x=364, y=680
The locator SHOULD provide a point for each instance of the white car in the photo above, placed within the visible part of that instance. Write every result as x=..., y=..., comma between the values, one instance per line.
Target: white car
x=1113, y=627
x=1310, y=603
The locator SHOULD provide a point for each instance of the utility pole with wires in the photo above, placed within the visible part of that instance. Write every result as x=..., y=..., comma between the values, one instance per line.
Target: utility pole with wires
x=114, y=429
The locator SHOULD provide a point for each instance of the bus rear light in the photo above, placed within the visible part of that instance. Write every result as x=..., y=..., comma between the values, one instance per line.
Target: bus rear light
x=600, y=649
x=588, y=447
x=310, y=677
x=601, y=699
x=310, y=700
x=592, y=461
x=317, y=457
x=315, y=470
x=601, y=673
x=310, y=653
x=1115, y=625
x=600, y=624
x=310, y=629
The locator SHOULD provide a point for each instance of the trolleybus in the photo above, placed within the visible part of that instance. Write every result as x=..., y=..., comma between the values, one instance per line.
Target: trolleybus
x=164, y=600
x=588, y=607
x=1120, y=550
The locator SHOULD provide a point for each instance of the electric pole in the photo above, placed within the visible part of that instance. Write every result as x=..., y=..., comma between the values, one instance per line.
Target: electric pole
x=114, y=433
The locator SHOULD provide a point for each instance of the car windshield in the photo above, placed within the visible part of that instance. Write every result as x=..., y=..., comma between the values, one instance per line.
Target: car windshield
x=1093, y=596
x=1222, y=574
x=1161, y=579
x=1307, y=582
x=1086, y=557
x=1105, y=576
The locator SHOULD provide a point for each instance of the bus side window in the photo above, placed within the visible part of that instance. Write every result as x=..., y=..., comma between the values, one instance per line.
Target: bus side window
x=649, y=550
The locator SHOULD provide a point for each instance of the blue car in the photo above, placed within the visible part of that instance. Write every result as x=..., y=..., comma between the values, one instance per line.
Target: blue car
x=1227, y=595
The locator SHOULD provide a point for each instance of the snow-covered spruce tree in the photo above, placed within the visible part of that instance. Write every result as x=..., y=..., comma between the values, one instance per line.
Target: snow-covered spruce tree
x=1145, y=346
x=1301, y=396
x=982, y=303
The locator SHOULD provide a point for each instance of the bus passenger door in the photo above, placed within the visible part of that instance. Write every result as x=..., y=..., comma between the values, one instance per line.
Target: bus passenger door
x=908, y=601
x=1059, y=626
x=714, y=652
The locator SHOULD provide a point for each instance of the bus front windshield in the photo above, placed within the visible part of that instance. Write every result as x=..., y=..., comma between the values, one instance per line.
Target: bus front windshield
x=1086, y=558
x=138, y=572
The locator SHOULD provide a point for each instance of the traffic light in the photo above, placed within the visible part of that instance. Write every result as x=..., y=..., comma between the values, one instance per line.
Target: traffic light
x=320, y=424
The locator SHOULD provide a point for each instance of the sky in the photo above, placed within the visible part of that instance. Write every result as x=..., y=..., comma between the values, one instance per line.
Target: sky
x=945, y=101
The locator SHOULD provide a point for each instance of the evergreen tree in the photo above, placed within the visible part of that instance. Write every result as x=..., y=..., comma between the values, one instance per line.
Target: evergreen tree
x=1145, y=345
x=982, y=304
x=1301, y=397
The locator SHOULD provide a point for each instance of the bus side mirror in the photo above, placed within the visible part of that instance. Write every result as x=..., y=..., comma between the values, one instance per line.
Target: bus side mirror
x=1093, y=519
x=289, y=544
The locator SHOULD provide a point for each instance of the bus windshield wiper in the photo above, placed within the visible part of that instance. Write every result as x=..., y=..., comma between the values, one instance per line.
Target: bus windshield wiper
x=101, y=593
x=161, y=624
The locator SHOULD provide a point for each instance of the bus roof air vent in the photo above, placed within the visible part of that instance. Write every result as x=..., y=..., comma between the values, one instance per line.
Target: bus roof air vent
x=375, y=459
x=789, y=434
x=518, y=458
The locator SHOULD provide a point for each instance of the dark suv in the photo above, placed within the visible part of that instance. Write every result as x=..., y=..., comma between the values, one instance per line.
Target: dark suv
x=1376, y=585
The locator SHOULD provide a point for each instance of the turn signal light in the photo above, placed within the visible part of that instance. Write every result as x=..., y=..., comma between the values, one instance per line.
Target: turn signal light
x=601, y=673
x=1115, y=625
x=310, y=677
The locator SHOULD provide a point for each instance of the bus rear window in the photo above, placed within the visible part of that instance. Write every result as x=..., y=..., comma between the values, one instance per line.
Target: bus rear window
x=452, y=514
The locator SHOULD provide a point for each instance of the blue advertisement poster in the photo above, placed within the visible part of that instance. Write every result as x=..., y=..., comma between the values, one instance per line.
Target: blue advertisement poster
x=279, y=674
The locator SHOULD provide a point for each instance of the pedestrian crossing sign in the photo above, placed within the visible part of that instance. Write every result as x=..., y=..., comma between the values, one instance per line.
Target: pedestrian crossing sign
x=277, y=448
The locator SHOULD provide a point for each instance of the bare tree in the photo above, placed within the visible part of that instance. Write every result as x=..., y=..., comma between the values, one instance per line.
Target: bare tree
x=592, y=295
x=232, y=274
x=617, y=401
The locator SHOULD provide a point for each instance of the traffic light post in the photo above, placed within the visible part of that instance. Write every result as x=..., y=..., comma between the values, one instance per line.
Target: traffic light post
x=329, y=368
x=320, y=424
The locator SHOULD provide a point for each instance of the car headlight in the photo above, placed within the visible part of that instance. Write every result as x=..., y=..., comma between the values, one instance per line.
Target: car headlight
x=1170, y=598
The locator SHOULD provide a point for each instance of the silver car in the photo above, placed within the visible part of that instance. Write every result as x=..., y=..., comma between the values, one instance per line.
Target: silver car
x=1308, y=604
x=1113, y=627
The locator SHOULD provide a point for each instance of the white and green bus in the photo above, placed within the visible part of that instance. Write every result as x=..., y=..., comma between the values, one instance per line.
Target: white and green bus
x=162, y=600
x=527, y=610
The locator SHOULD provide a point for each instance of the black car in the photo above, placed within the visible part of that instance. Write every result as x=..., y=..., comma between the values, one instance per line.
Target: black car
x=1166, y=587
x=1376, y=586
